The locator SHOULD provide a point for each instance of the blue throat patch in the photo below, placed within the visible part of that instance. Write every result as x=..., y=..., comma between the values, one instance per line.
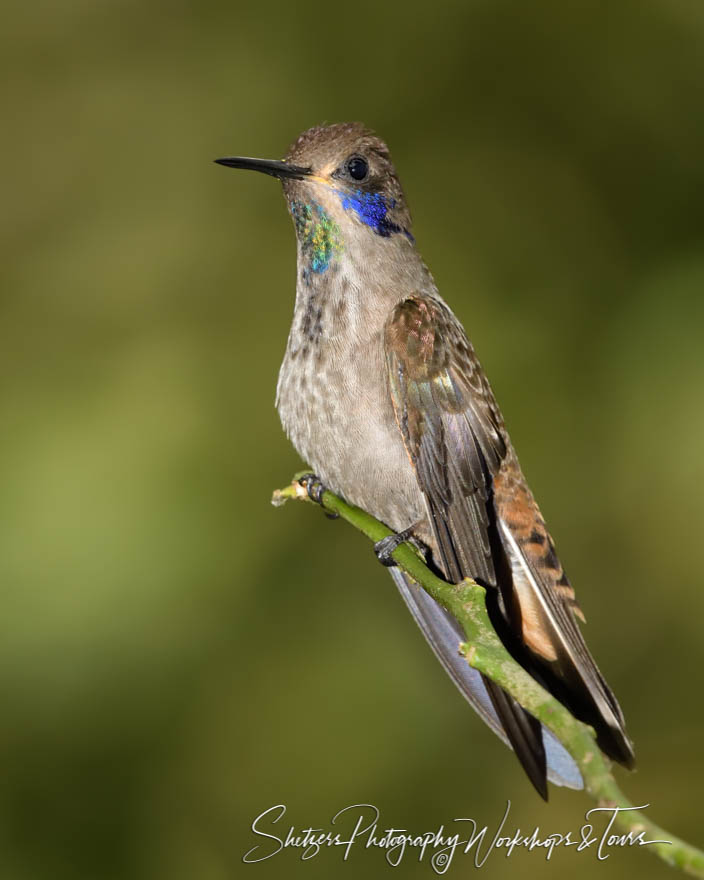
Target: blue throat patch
x=372, y=208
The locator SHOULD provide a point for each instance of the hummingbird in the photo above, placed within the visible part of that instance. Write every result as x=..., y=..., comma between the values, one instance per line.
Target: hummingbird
x=381, y=393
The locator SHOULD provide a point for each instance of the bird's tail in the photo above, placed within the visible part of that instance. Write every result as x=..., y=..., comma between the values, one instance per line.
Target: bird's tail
x=444, y=635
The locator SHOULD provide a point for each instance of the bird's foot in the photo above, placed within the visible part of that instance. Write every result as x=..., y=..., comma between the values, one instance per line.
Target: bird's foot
x=315, y=489
x=387, y=545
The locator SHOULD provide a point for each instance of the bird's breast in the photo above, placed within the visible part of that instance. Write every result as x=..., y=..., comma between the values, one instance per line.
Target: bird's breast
x=334, y=404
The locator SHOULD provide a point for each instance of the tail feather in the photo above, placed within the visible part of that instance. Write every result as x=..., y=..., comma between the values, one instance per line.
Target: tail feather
x=444, y=635
x=524, y=733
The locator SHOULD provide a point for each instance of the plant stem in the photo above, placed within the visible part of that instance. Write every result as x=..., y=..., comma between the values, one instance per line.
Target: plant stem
x=485, y=652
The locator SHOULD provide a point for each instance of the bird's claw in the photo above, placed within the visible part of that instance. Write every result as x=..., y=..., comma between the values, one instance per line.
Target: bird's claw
x=385, y=548
x=314, y=488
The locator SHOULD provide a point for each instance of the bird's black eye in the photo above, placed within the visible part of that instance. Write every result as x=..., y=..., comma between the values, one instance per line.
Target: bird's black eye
x=357, y=167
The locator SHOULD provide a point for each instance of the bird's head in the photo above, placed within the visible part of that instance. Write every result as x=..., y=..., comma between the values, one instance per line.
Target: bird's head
x=341, y=186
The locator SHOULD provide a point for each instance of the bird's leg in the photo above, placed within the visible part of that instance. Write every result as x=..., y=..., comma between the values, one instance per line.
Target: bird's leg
x=387, y=545
x=313, y=486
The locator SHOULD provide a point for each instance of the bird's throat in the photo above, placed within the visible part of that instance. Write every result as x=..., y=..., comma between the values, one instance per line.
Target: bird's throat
x=319, y=236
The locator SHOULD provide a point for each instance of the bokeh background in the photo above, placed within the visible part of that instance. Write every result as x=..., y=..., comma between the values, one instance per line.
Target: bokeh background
x=175, y=654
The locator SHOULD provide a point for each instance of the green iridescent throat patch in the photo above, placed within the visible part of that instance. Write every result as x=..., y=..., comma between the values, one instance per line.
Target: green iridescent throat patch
x=320, y=236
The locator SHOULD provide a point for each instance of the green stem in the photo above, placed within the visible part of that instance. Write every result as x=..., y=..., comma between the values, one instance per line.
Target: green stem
x=485, y=652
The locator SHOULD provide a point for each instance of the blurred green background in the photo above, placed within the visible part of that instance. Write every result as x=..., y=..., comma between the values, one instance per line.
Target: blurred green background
x=175, y=654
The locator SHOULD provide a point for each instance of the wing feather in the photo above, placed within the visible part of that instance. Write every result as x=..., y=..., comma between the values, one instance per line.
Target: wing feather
x=486, y=525
x=455, y=447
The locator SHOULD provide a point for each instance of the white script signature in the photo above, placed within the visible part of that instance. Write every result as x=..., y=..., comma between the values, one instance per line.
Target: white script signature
x=358, y=826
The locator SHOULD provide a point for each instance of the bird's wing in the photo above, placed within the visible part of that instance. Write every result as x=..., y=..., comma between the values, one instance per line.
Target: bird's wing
x=455, y=444
x=449, y=427
x=479, y=510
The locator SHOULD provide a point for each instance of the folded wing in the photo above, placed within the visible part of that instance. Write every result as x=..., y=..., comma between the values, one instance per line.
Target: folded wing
x=485, y=525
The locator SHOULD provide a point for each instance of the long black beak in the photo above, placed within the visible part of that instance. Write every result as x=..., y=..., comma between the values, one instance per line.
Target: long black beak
x=266, y=166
